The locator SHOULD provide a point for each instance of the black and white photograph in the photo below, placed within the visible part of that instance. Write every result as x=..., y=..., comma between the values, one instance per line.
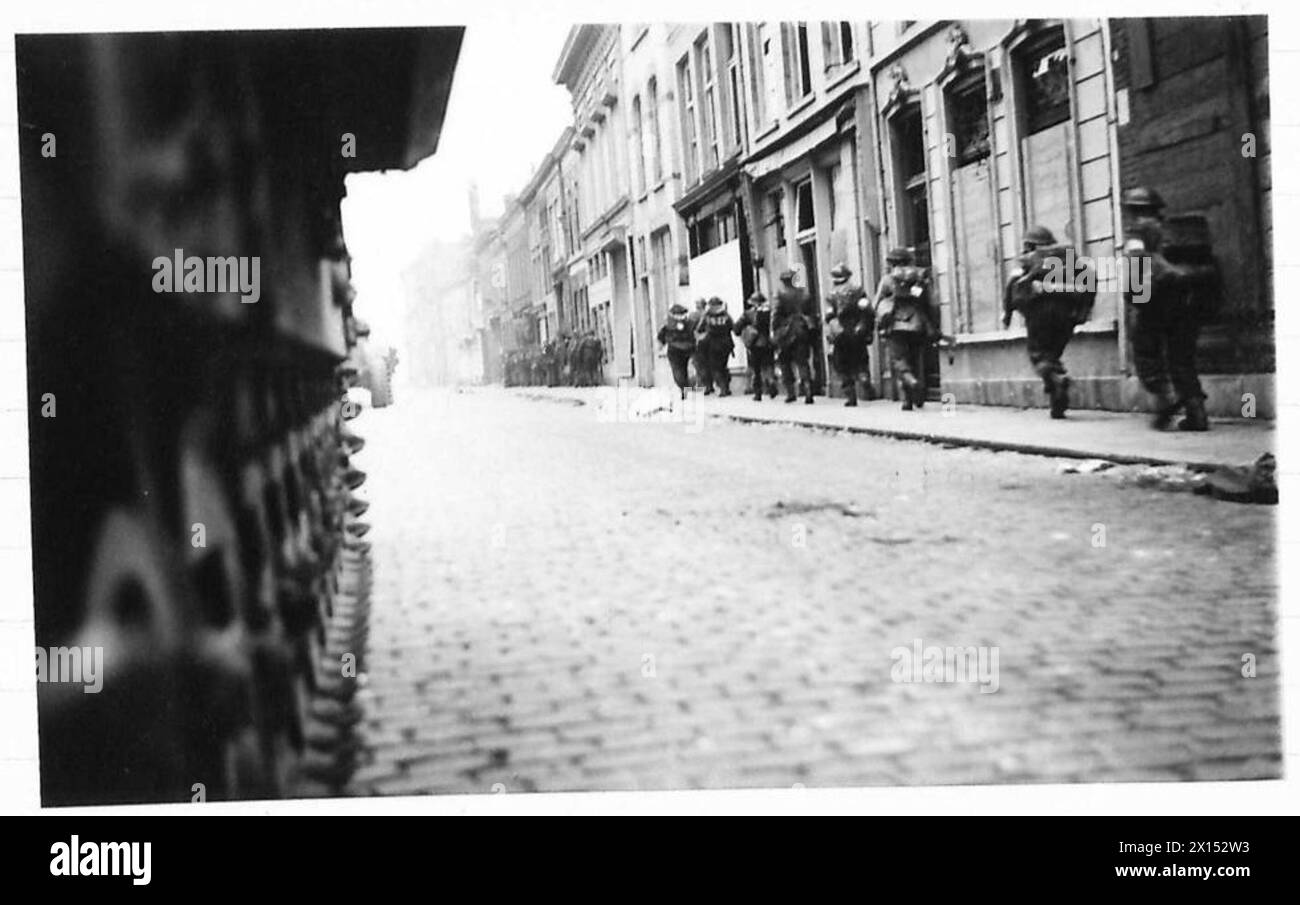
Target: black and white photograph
x=562, y=406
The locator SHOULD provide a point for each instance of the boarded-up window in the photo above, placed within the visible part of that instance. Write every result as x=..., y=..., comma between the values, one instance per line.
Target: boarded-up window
x=1047, y=180
x=978, y=276
x=977, y=283
x=660, y=244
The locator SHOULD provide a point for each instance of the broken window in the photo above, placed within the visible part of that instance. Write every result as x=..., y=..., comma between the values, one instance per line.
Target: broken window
x=1046, y=82
x=968, y=114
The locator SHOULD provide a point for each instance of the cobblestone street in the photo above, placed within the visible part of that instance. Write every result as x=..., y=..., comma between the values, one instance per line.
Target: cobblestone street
x=567, y=604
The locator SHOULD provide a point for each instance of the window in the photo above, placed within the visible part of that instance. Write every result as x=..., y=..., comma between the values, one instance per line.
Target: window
x=798, y=75
x=1045, y=82
x=776, y=218
x=908, y=144
x=736, y=112
x=834, y=177
x=769, y=44
x=837, y=39
x=656, y=150
x=803, y=207
x=726, y=227
x=661, y=248
x=690, y=140
x=968, y=116
x=572, y=228
x=711, y=231
x=638, y=146
x=709, y=93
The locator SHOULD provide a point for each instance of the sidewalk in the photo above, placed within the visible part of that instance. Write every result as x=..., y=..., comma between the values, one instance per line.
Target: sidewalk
x=1122, y=437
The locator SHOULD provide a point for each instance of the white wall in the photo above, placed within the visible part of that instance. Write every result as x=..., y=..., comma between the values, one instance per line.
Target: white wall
x=717, y=272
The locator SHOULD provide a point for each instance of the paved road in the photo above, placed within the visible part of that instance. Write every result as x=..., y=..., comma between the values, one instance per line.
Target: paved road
x=564, y=603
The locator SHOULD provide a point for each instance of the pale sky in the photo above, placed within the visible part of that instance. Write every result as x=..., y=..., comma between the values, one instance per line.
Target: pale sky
x=504, y=116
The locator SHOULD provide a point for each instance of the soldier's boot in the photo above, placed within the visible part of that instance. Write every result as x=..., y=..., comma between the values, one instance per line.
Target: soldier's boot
x=808, y=393
x=851, y=392
x=758, y=388
x=1060, y=396
x=1194, y=418
x=1167, y=405
x=909, y=391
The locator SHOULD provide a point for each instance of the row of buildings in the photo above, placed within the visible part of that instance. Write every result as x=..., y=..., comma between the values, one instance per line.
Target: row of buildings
x=704, y=159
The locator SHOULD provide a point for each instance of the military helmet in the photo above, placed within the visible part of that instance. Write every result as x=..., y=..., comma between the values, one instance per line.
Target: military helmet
x=787, y=276
x=1039, y=235
x=899, y=256
x=758, y=298
x=1142, y=197
x=841, y=272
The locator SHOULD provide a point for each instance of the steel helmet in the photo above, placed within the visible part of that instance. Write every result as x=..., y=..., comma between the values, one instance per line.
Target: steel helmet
x=841, y=273
x=1142, y=197
x=899, y=256
x=1039, y=235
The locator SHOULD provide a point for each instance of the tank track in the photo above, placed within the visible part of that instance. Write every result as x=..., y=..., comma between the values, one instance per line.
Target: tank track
x=197, y=515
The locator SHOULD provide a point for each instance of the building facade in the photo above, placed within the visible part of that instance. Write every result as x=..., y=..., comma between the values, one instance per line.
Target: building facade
x=809, y=157
x=590, y=67
x=706, y=159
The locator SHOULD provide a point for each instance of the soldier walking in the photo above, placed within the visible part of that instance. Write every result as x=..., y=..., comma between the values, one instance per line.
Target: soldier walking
x=677, y=335
x=852, y=322
x=1051, y=310
x=906, y=321
x=1163, y=314
x=755, y=330
x=700, y=361
x=718, y=345
x=550, y=356
x=791, y=327
x=593, y=354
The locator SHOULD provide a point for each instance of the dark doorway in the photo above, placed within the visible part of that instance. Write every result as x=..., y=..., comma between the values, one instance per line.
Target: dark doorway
x=911, y=182
x=808, y=255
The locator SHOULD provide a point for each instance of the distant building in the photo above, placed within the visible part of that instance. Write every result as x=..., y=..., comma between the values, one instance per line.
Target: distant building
x=590, y=67
x=442, y=319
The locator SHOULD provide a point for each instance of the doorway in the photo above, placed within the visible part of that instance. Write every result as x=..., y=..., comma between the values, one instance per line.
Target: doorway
x=808, y=256
x=911, y=181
